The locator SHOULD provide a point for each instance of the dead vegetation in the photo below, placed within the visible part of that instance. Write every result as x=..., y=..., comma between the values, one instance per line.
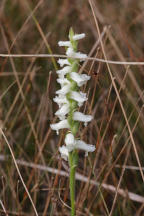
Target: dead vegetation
x=33, y=177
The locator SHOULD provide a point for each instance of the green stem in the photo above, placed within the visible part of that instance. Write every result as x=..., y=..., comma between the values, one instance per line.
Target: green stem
x=72, y=190
x=74, y=125
x=73, y=157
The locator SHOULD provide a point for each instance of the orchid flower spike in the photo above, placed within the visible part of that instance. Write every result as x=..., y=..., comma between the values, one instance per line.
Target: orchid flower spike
x=69, y=97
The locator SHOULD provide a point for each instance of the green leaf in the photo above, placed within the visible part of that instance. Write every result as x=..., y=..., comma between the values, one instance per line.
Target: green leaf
x=74, y=43
x=71, y=34
x=75, y=128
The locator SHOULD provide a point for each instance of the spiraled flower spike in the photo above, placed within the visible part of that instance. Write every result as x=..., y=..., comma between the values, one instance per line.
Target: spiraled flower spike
x=69, y=98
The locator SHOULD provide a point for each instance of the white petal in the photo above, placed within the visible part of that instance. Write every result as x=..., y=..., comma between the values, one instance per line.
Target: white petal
x=60, y=100
x=78, y=96
x=80, y=55
x=70, y=147
x=64, y=43
x=78, y=36
x=64, y=71
x=64, y=152
x=64, y=90
x=63, y=81
x=79, y=116
x=80, y=104
x=62, y=111
x=69, y=139
x=80, y=79
x=83, y=146
x=60, y=125
x=70, y=142
x=63, y=62
x=71, y=53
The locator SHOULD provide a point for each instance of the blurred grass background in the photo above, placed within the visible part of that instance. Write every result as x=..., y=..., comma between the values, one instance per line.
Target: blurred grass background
x=28, y=85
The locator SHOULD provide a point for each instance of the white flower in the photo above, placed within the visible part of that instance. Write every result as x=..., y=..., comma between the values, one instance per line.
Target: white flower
x=71, y=53
x=77, y=144
x=64, y=90
x=64, y=152
x=61, y=99
x=78, y=96
x=63, y=62
x=80, y=55
x=83, y=146
x=69, y=139
x=65, y=77
x=72, y=143
x=63, y=81
x=78, y=36
x=79, y=116
x=80, y=79
x=64, y=43
x=64, y=71
x=60, y=125
x=62, y=111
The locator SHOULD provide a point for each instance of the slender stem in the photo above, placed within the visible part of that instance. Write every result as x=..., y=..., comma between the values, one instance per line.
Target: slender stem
x=73, y=163
x=72, y=190
x=74, y=125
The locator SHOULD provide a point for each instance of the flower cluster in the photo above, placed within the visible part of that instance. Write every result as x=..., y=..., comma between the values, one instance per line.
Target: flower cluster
x=69, y=98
